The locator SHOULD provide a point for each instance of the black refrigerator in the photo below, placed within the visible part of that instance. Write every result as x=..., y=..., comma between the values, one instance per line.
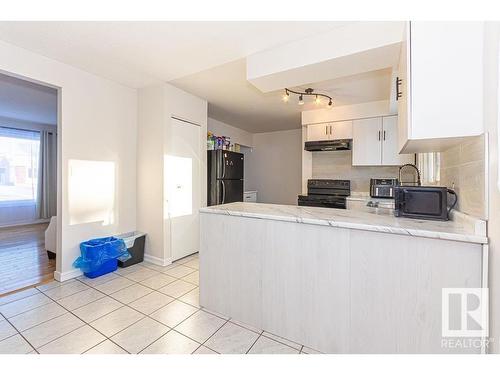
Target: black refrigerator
x=225, y=177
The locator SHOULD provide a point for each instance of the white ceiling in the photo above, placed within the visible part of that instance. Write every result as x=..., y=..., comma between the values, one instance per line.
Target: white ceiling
x=235, y=101
x=27, y=101
x=138, y=54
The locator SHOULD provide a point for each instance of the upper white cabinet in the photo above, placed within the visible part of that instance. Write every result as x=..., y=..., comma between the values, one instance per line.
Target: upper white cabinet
x=440, y=85
x=366, y=142
x=375, y=142
x=390, y=150
x=329, y=131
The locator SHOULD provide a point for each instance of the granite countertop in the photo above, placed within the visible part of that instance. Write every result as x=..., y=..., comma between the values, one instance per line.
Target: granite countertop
x=352, y=219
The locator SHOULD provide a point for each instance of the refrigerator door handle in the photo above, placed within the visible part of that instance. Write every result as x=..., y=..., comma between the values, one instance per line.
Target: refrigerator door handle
x=223, y=166
x=223, y=192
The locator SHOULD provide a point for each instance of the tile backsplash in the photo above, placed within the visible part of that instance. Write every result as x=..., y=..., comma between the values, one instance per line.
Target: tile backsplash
x=463, y=169
x=338, y=165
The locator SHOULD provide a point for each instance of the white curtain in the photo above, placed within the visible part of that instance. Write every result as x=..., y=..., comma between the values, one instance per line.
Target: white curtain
x=46, y=202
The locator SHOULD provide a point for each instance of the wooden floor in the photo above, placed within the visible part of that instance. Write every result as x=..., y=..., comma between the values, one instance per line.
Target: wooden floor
x=23, y=259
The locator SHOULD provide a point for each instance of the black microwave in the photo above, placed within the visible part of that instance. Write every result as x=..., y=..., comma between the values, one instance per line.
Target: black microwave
x=422, y=202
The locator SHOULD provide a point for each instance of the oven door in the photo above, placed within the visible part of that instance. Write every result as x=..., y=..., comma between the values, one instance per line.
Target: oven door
x=423, y=202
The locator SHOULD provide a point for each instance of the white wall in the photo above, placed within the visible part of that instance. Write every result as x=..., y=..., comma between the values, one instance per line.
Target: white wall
x=157, y=104
x=275, y=166
x=98, y=121
x=491, y=97
x=237, y=135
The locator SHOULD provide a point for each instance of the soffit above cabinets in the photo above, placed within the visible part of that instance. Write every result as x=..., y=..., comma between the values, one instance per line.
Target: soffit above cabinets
x=349, y=50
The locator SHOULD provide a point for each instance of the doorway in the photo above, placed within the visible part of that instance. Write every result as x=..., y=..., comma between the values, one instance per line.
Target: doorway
x=183, y=187
x=28, y=182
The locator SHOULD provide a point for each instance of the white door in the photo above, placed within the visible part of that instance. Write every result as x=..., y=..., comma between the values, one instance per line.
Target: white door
x=390, y=154
x=367, y=141
x=182, y=179
x=318, y=132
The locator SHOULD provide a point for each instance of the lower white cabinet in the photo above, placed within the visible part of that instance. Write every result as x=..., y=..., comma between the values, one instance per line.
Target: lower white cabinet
x=375, y=142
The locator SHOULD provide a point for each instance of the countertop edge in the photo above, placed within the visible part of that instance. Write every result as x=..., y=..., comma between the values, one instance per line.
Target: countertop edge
x=469, y=238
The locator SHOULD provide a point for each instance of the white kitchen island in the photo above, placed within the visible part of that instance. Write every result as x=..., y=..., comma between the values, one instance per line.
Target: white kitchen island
x=339, y=281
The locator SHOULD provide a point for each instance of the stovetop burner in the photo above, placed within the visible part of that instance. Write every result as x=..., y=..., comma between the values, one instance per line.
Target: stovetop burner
x=326, y=193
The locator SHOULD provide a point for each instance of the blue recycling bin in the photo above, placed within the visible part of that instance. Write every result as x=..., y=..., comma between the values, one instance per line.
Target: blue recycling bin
x=100, y=256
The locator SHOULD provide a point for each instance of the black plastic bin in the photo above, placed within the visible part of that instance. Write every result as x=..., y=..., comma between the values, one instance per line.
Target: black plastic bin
x=135, y=242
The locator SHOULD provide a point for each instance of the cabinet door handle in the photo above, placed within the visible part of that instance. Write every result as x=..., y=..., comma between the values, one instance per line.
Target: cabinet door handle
x=326, y=130
x=384, y=135
x=399, y=94
x=379, y=135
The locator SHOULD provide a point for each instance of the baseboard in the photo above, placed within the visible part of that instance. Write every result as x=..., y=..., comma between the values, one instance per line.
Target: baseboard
x=157, y=261
x=63, y=276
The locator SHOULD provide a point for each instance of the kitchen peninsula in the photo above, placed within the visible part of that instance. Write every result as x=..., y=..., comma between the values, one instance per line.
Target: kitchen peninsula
x=339, y=281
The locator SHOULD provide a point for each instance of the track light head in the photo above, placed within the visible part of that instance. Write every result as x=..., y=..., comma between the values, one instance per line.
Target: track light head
x=301, y=100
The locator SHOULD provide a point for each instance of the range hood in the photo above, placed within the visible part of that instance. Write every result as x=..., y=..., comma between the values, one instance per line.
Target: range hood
x=332, y=145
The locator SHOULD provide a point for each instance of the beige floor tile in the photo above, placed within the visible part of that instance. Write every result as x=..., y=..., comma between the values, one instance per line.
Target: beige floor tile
x=114, y=285
x=37, y=316
x=106, y=347
x=116, y=321
x=139, y=335
x=65, y=290
x=247, y=326
x=232, y=339
x=177, y=288
x=172, y=343
x=187, y=259
x=282, y=340
x=6, y=330
x=150, y=303
x=19, y=306
x=155, y=267
x=200, y=326
x=80, y=299
x=17, y=296
x=52, y=329
x=193, y=263
x=75, y=342
x=204, y=350
x=97, y=309
x=173, y=313
x=158, y=281
x=128, y=270
x=142, y=274
x=216, y=314
x=131, y=293
x=192, y=297
x=15, y=345
x=98, y=280
x=179, y=271
x=193, y=278
x=265, y=345
x=53, y=284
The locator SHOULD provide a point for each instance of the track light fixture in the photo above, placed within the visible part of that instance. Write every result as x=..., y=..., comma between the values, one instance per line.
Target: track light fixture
x=307, y=92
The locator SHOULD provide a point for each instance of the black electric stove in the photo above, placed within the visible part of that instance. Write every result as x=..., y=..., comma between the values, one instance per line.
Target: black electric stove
x=326, y=193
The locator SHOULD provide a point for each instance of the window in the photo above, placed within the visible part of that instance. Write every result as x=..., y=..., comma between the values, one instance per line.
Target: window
x=429, y=165
x=19, y=151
